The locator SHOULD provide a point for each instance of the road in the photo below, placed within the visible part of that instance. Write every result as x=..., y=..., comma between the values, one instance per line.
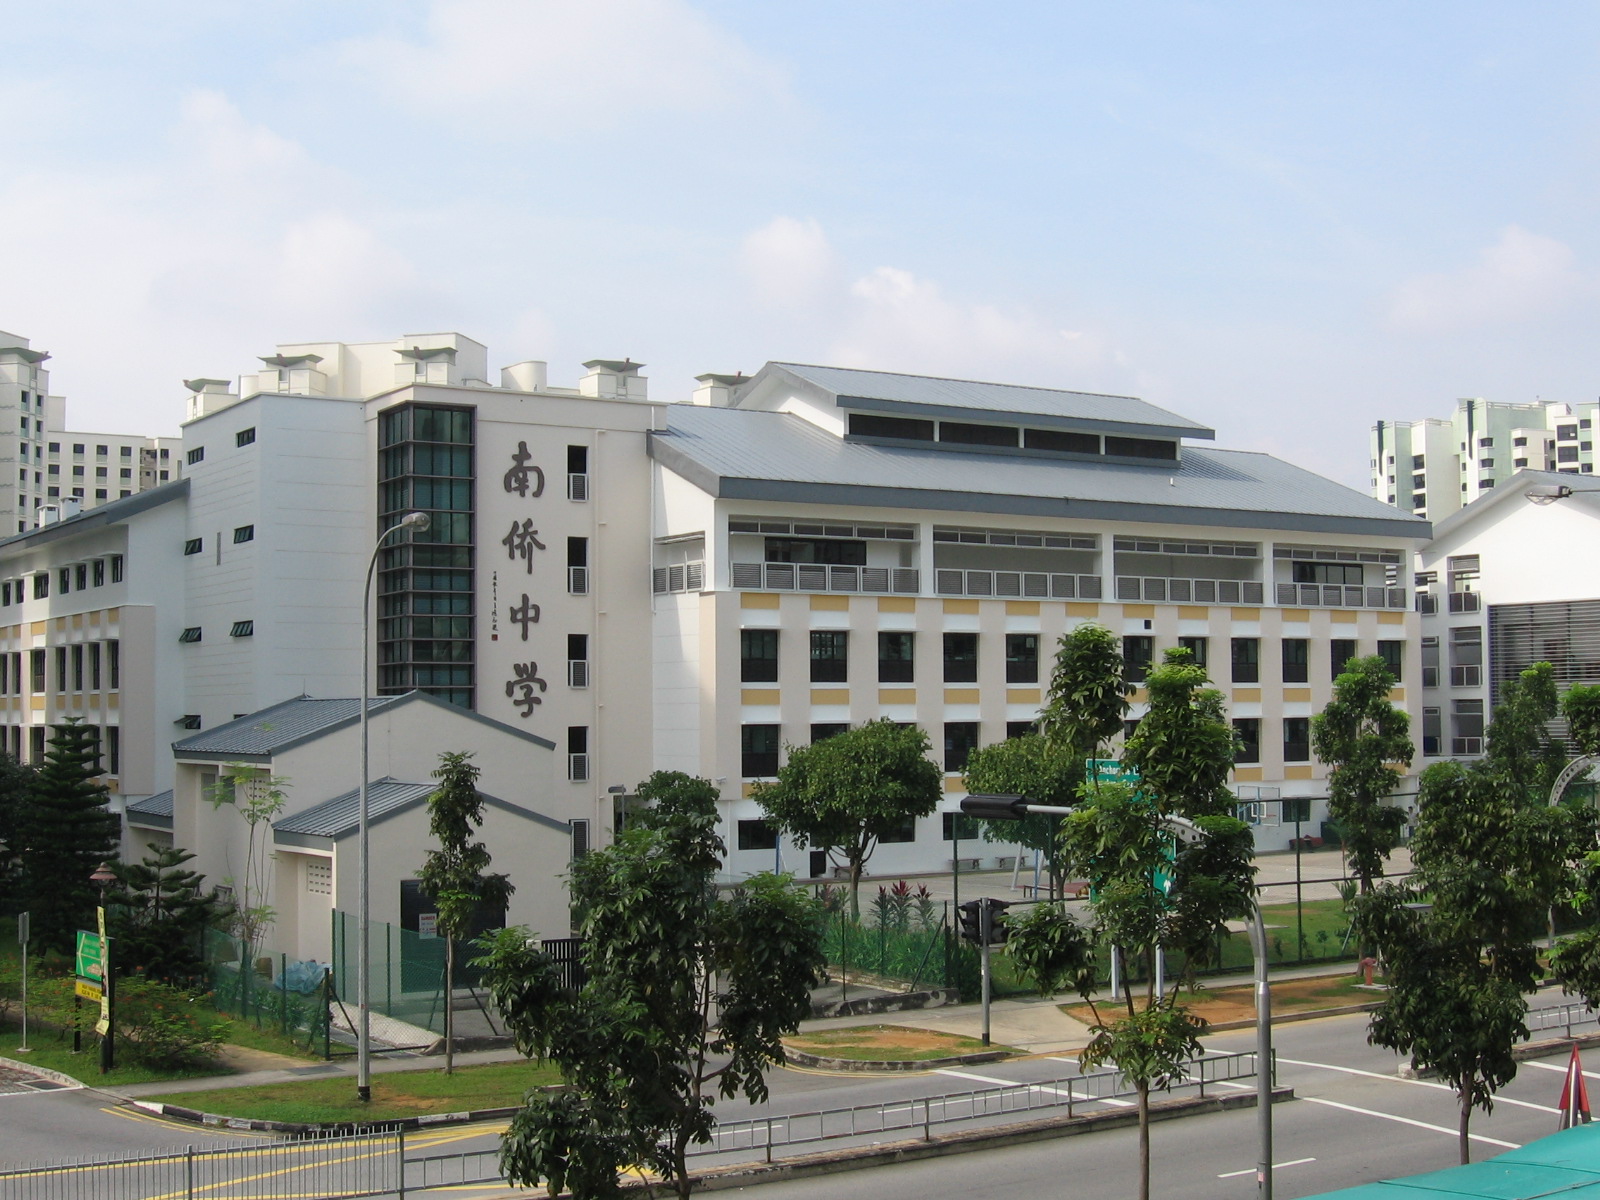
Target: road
x=1354, y=1121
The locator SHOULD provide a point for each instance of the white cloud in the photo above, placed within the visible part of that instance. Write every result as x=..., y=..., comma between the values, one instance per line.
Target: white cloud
x=559, y=66
x=1521, y=276
x=789, y=263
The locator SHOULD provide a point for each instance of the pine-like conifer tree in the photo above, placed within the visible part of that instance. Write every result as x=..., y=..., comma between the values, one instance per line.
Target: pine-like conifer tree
x=66, y=832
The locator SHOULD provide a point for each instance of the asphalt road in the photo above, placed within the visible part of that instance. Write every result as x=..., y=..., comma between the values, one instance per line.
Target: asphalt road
x=1354, y=1121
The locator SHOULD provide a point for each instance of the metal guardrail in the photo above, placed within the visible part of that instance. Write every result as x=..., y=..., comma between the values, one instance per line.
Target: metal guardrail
x=1563, y=1017
x=765, y=1134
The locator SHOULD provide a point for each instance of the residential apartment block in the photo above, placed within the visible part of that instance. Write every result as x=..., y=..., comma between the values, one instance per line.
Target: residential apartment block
x=613, y=584
x=46, y=469
x=1434, y=467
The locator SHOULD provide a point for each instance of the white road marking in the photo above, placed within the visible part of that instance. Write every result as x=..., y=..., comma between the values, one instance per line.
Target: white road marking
x=1563, y=1070
x=1367, y=1112
x=1294, y=1162
x=1444, y=1087
x=1036, y=1087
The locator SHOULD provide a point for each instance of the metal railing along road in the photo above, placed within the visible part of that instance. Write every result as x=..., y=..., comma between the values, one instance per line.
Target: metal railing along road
x=1562, y=1017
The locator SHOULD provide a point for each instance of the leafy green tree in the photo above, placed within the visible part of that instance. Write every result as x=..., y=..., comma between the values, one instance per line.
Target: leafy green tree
x=159, y=915
x=1087, y=698
x=1149, y=893
x=16, y=786
x=65, y=833
x=455, y=875
x=1581, y=708
x=1491, y=866
x=844, y=793
x=1026, y=766
x=687, y=996
x=258, y=798
x=1359, y=734
x=1519, y=749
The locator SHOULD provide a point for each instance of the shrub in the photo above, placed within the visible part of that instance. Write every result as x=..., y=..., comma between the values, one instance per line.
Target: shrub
x=158, y=1026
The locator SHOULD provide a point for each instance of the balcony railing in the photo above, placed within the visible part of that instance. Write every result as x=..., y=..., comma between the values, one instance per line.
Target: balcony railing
x=1019, y=584
x=1466, y=602
x=1333, y=595
x=680, y=577
x=1189, y=591
x=819, y=577
x=1466, y=676
x=1427, y=603
x=1466, y=745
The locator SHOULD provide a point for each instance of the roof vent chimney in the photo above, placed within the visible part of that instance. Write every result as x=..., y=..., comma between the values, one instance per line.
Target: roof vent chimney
x=530, y=376
x=716, y=391
x=609, y=379
x=207, y=396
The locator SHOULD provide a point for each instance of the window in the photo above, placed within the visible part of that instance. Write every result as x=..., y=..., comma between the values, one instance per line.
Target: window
x=94, y=667
x=1340, y=652
x=77, y=667
x=577, y=472
x=1198, y=647
x=758, y=656
x=578, y=566
x=126, y=452
x=1486, y=464
x=816, y=550
x=1430, y=662
x=1138, y=654
x=116, y=568
x=36, y=670
x=578, y=753
x=872, y=425
x=961, y=658
x=960, y=740
x=1566, y=454
x=896, y=657
x=1329, y=573
x=1246, y=660
x=1022, y=658
x=1522, y=441
x=1296, y=660
x=244, y=533
x=1466, y=721
x=191, y=634
x=821, y=731
x=80, y=576
x=101, y=473
x=1485, y=441
x=243, y=629
x=77, y=447
x=1296, y=739
x=114, y=662
x=1247, y=730
x=900, y=831
x=580, y=839
x=1417, y=462
x=757, y=835
x=1519, y=462
x=189, y=721
x=102, y=451
x=965, y=434
x=1016, y=729
x=65, y=575
x=578, y=660
x=194, y=456
x=1432, y=733
x=99, y=493
x=758, y=751
x=61, y=668
x=1466, y=656
x=41, y=585
x=830, y=655
x=194, y=546
x=1566, y=433
x=1393, y=655
x=245, y=436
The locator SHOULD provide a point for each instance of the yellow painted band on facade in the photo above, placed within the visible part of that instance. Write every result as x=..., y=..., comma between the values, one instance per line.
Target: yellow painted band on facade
x=77, y=621
x=1189, y=613
x=1292, y=694
x=745, y=789
x=1140, y=696
x=758, y=696
x=1300, y=772
x=1391, y=618
x=821, y=603
x=969, y=607
x=897, y=695
x=113, y=701
x=829, y=696
x=1247, y=695
x=1247, y=774
x=1022, y=695
x=961, y=695
x=1083, y=610
x=61, y=624
x=897, y=604
x=1246, y=614
x=94, y=702
x=1295, y=614
x=36, y=703
x=1397, y=694
x=955, y=783
x=1343, y=616
x=40, y=628
x=1022, y=608
x=758, y=600
x=1138, y=611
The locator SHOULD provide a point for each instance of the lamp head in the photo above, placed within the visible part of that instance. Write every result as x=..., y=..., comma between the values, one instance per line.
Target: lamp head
x=1546, y=493
x=102, y=876
x=420, y=521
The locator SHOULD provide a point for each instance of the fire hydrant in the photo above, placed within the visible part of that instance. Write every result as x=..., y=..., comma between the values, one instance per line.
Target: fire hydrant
x=1366, y=966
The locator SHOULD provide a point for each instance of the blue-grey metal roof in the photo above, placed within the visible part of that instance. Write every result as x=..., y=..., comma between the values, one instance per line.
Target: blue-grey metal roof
x=889, y=391
x=272, y=730
x=339, y=817
x=740, y=454
x=154, y=812
x=105, y=514
x=257, y=737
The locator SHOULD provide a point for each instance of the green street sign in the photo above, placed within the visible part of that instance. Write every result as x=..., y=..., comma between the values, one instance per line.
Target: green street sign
x=91, y=956
x=1109, y=770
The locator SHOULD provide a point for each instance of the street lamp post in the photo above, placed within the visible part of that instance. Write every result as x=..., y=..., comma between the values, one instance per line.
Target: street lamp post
x=102, y=878
x=1014, y=808
x=418, y=521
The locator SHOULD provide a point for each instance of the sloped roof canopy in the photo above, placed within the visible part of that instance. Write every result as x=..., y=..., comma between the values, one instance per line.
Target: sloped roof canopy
x=323, y=824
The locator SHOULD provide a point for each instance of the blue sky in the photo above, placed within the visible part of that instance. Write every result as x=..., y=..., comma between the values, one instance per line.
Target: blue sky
x=1283, y=220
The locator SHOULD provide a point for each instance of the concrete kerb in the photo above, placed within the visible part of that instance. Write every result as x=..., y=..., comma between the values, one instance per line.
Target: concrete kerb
x=194, y=1116
x=818, y=1062
x=43, y=1073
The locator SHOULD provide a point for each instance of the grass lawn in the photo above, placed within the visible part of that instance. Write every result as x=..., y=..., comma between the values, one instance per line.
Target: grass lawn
x=394, y=1094
x=886, y=1043
x=1239, y=1003
x=55, y=1054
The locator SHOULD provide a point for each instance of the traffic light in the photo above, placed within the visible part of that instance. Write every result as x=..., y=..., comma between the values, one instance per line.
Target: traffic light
x=971, y=922
x=971, y=917
x=999, y=931
x=992, y=807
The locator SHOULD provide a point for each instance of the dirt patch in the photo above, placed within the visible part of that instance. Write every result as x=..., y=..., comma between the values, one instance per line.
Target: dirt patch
x=1218, y=1005
x=883, y=1042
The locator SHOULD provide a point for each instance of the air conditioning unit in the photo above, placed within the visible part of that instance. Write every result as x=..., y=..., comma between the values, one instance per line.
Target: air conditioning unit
x=577, y=487
x=578, y=767
x=578, y=581
x=578, y=672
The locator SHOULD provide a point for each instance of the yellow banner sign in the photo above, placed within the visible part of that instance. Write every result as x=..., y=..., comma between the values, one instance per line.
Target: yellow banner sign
x=89, y=991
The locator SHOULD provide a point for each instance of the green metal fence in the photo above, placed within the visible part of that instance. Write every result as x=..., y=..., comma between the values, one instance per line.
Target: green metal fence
x=271, y=991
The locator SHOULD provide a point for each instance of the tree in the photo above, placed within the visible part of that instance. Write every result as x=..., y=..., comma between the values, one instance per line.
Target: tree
x=687, y=996
x=159, y=913
x=1149, y=894
x=65, y=833
x=257, y=797
x=845, y=793
x=1519, y=750
x=454, y=874
x=1026, y=766
x=16, y=786
x=1491, y=866
x=1359, y=734
x=1087, y=699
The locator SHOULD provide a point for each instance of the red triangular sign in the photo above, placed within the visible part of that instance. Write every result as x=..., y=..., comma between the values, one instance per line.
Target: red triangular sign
x=1574, y=1095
